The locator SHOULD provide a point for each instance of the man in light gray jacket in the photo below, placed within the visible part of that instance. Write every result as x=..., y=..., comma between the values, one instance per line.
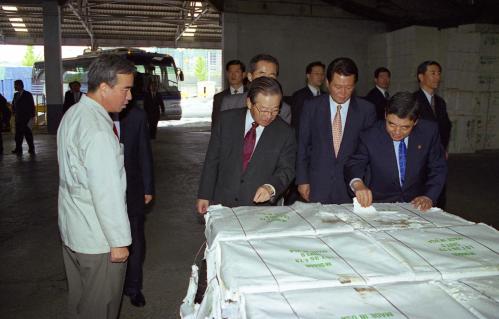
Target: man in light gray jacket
x=93, y=218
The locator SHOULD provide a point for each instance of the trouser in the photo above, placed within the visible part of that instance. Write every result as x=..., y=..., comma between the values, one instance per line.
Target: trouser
x=95, y=285
x=1, y=140
x=153, y=128
x=22, y=131
x=133, y=280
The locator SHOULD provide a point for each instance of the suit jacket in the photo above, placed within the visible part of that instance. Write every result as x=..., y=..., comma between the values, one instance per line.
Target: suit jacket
x=238, y=101
x=378, y=99
x=152, y=105
x=138, y=158
x=69, y=100
x=441, y=116
x=273, y=161
x=23, y=106
x=297, y=101
x=316, y=163
x=426, y=167
x=217, y=103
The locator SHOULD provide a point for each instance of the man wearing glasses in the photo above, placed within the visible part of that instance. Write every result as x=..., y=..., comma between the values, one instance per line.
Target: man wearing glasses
x=403, y=156
x=251, y=154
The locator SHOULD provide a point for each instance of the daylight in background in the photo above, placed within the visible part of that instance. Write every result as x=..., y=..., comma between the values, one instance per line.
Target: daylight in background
x=202, y=70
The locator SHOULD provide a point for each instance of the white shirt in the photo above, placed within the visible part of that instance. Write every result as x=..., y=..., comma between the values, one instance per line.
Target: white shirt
x=381, y=90
x=344, y=111
x=239, y=90
x=315, y=91
x=428, y=95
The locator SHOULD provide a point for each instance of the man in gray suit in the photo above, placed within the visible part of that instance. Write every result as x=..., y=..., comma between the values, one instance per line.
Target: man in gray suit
x=251, y=154
x=260, y=65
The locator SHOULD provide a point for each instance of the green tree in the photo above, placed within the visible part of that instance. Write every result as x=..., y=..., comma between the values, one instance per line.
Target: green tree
x=200, y=70
x=29, y=56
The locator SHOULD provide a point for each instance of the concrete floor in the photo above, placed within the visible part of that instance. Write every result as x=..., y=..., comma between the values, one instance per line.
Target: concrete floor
x=32, y=276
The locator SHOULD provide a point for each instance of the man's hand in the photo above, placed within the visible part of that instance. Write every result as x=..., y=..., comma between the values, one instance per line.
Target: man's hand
x=422, y=203
x=304, y=190
x=202, y=205
x=363, y=193
x=147, y=199
x=119, y=254
x=263, y=194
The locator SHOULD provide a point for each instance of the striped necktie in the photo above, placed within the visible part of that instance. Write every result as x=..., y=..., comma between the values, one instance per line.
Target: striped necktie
x=402, y=161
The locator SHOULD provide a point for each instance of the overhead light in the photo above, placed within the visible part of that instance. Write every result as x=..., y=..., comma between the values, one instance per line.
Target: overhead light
x=19, y=25
x=20, y=29
x=16, y=19
x=187, y=34
x=198, y=4
x=190, y=30
x=9, y=8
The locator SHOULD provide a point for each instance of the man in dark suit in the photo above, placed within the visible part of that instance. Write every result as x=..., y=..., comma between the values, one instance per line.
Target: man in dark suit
x=3, y=111
x=23, y=107
x=235, y=72
x=329, y=131
x=251, y=155
x=134, y=134
x=72, y=95
x=260, y=65
x=153, y=103
x=379, y=94
x=315, y=72
x=403, y=155
x=433, y=107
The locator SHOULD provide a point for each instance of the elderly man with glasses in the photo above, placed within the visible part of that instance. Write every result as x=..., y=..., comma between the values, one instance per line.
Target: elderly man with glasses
x=251, y=154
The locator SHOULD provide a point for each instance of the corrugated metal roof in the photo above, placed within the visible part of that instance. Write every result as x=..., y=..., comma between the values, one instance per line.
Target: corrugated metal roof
x=130, y=23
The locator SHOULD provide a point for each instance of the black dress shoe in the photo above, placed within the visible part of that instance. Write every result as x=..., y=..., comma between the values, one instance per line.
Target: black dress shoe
x=137, y=299
x=16, y=151
x=32, y=151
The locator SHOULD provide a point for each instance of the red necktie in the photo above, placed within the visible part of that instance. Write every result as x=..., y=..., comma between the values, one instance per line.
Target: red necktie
x=249, y=145
x=115, y=130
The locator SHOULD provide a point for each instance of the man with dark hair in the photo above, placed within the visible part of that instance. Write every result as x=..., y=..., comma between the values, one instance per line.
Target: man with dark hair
x=235, y=72
x=315, y=73
x=72, y=95
x=433, y=107
x=260, y=65
x=23, y=107
x=329, y=131
x=379, y=94
x=403, y=156
x=251, y=155
x=93, y=221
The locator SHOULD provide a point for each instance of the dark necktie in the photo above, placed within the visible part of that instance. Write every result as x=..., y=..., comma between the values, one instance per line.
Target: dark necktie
x=432, y=104
x=115, y=130
x=387, y=95
x=402, y=161
x=249, y=145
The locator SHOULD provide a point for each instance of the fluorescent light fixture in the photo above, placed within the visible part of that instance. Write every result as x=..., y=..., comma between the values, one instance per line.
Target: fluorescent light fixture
x=19, y=25
x=20, y=29
x=190, y=30
x=198, y=4
x=16, y=19
x=9, y=8
x=187, y=34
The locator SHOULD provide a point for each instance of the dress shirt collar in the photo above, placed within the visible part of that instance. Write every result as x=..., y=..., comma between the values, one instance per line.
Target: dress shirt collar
x=381, y=90
x=314, y=90
x=428, y=95
x=239, y=90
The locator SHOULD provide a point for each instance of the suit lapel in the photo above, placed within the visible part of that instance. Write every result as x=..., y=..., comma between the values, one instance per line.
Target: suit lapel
x=238, y=128
x=413, y=153
x=389, y=150
x=352, y=117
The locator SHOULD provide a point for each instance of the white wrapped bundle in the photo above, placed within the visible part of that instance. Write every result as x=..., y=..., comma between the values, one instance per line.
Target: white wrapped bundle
x=397, y=216
x=239, y=223
x=479, y=295
x=399, y=300
x=455, y=252
x=280, y=264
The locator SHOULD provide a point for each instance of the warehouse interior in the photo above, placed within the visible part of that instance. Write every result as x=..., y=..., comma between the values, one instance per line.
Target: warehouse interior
x=463, y=35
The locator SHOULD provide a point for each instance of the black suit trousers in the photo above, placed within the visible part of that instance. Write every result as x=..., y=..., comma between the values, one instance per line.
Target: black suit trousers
x=133, y=279
x=23, y=131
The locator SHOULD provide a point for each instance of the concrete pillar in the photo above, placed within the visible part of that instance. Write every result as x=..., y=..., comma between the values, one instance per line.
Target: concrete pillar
x=53, y=64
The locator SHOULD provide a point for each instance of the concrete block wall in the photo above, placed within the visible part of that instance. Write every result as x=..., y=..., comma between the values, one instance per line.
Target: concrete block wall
x=297, y=40
x=469, y=56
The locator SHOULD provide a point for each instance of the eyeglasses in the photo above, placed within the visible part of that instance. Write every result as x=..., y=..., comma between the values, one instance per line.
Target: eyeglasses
x=264, y=112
